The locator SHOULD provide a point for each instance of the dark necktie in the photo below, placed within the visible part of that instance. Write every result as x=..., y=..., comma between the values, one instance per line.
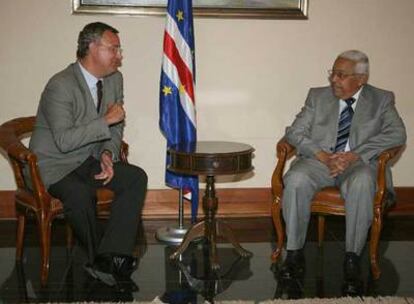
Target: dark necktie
x=99, y=95
x=344, y=125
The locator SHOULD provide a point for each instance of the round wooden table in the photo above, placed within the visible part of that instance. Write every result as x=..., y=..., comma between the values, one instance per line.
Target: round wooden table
x=210, y=158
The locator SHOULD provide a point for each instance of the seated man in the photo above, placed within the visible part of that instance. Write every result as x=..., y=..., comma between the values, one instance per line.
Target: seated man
x=339, y=134
x=77, y=138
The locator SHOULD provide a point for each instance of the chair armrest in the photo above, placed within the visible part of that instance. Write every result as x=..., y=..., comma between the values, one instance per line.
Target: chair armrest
x=284, y=152
x=285, y=148
x=21, y=157
x=383, y=160
x=123, y=152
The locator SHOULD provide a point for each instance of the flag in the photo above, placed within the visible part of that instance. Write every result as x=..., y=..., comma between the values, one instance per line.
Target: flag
x=177, y=103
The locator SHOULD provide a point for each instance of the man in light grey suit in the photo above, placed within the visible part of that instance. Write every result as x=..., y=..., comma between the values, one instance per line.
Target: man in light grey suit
x=339, y=134
x=77, y=138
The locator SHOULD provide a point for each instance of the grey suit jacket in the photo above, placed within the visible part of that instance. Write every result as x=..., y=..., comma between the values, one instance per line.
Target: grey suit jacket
x=68, y=128
x=376, y=124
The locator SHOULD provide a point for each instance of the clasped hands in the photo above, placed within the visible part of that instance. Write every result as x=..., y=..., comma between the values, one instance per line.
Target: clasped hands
x=337, y=162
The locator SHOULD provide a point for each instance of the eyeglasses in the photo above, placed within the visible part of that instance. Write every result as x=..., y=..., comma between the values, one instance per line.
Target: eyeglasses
x=340, y=74
x=115, y=49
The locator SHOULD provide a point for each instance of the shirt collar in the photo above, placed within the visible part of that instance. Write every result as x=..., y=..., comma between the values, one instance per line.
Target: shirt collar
x=356, y=95
x=342, y=102
x=90, y=79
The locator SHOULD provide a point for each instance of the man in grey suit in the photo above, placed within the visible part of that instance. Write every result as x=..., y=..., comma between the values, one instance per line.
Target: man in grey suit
x=339, y=134
x=77, y=138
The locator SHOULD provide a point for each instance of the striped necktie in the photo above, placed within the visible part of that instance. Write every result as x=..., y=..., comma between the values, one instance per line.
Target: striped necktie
x=99, y=95
x=344, y=125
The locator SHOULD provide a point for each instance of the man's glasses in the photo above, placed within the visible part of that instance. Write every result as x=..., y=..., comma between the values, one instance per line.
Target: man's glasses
x=112, y=48
x=340, y=74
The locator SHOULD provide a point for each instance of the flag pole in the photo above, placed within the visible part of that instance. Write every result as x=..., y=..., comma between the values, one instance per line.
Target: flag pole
x=174, y=235
x=181, y=210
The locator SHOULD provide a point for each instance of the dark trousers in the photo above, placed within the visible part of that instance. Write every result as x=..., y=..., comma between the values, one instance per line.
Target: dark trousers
x=77, y=191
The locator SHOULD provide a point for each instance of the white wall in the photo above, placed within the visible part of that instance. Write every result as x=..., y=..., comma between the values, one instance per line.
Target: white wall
x=252, y=75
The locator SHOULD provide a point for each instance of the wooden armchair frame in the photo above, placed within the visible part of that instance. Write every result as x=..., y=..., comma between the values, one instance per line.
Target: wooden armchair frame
x=328, y=201
x=39, y=202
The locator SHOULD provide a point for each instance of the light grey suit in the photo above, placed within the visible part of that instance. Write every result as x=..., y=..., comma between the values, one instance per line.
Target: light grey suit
x=68, y=128
x=376, y=126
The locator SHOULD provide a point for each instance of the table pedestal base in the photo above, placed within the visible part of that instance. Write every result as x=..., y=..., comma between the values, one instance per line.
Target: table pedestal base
x=209, y=228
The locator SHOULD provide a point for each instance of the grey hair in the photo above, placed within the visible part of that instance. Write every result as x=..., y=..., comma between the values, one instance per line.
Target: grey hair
x=92, y=32
x=360, y=58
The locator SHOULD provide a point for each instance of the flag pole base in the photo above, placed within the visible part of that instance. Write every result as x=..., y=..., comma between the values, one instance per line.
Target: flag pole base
x=170, y=235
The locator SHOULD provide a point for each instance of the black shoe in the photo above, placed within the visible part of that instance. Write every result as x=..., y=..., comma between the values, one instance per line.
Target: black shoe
x=352, y=270
x=353, y=285
x=294, y=265
x=103, y=268
x=124, y=265
x=88, y=267
x=352, y=288
x=126, y=284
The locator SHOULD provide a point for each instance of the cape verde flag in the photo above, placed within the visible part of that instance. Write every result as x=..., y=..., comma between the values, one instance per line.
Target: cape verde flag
x=177, y=103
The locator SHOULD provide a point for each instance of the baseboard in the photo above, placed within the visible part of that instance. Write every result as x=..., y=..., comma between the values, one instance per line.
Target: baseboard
x=233, y=203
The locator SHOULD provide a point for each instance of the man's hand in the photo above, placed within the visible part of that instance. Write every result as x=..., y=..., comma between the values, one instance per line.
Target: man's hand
x=114, y=114
x=327, y=159
x=341, y=161
x=324, y=157
x=107, y=172
x=337, y=162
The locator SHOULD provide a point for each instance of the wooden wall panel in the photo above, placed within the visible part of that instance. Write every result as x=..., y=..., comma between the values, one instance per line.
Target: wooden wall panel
x=233, y=203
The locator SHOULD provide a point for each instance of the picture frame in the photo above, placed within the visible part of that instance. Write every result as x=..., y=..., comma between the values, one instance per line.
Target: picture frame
x=256, y=9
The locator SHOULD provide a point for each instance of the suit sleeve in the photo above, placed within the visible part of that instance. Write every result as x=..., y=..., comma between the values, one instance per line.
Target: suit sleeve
x=392, y=132
x=116, y=130
x=299, y=133
x=57, y=106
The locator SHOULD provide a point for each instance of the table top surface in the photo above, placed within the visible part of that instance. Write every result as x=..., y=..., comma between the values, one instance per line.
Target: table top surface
x=212, y=147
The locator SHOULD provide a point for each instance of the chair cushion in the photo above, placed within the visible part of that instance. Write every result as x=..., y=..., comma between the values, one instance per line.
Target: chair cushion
x=104, y=195
x=328, y=200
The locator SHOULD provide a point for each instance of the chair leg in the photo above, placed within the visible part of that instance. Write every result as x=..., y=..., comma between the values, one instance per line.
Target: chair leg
x=44, y=227
x=321, y=229
x=373, y=246
x=21, y=223
x=277, y=222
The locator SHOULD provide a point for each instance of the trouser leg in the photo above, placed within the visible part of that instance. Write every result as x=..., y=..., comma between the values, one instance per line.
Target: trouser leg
x=304, y=178
x=129, y=185
x=79, y=203
x=358, y=186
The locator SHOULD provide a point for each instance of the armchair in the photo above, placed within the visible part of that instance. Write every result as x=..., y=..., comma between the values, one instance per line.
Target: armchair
x=328, y=201
x=38, y=202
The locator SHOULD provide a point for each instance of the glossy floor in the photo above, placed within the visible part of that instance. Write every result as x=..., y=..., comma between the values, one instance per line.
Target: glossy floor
x=190, y=279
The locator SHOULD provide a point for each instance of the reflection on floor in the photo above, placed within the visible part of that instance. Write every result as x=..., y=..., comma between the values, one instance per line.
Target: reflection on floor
x=190, y=279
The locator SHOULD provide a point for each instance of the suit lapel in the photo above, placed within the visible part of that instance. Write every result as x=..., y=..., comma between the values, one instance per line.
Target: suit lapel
x=362, y=111
x=89, y=104
x=332, y=110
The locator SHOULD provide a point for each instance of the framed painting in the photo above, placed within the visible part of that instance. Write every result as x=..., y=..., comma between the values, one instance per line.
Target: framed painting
x=260, y=9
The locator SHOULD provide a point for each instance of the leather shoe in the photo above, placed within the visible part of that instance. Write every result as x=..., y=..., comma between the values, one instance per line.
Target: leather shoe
x=103, y=269
x=352, y=285
x=352, y=288
x=110, y=268
x=294, y=265
x=124, y=265
x=352, y=270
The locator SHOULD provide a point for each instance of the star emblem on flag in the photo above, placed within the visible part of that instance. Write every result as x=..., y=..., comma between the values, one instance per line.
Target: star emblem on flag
x=180, y=15
x=167, y=90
